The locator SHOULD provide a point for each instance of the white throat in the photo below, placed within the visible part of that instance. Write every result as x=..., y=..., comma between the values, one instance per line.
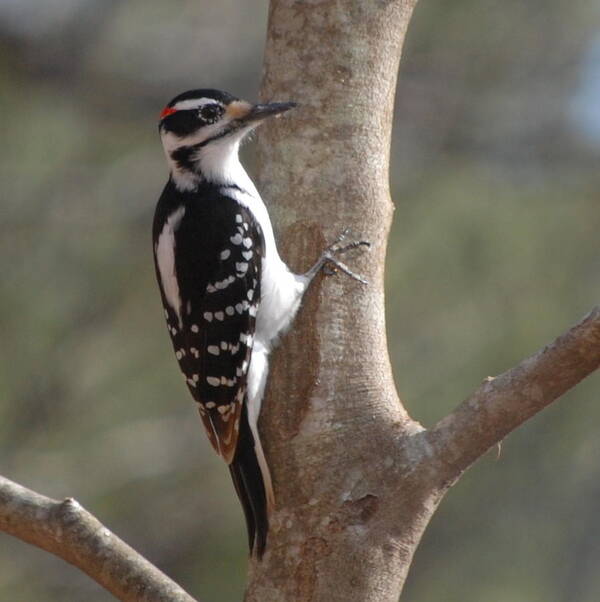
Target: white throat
x=218, y=162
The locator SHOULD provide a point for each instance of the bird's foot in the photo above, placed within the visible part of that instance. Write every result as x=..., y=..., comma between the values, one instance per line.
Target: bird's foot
x=330, y=264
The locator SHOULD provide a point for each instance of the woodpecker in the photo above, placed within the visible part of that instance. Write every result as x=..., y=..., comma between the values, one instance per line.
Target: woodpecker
x=226, y=293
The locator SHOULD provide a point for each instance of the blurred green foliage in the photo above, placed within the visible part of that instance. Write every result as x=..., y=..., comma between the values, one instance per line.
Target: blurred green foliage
x=494, y=251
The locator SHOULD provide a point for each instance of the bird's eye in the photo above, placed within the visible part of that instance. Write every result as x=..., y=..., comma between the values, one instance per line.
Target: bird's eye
x=211, y=113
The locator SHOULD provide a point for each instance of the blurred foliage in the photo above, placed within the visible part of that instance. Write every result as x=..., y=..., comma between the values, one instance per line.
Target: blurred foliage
x=494, y=251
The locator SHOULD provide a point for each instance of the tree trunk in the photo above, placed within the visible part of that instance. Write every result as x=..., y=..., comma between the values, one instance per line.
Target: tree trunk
x=333, y=423
x=356, y=479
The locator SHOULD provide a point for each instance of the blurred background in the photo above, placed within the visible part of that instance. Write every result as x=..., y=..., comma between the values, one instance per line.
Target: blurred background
x=494, y=252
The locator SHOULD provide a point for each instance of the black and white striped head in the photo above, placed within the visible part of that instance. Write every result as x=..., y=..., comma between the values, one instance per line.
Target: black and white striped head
x=201, y=131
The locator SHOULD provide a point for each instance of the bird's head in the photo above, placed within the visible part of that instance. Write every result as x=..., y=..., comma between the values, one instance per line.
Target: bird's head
x=201, y=131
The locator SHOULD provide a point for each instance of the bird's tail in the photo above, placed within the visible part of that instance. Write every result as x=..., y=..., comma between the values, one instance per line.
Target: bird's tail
x=252, y=482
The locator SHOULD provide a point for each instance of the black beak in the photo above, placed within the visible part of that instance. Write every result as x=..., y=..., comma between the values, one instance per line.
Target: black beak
x=262, y=111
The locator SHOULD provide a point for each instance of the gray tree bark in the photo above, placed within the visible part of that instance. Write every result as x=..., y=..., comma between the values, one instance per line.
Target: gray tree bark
x=356, y=479
x=66, y=529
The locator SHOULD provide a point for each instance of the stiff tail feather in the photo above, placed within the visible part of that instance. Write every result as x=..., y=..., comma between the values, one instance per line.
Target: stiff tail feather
x=250, y=487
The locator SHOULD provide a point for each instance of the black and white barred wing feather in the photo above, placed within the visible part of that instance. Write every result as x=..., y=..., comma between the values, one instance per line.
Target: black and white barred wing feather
x=208, y=261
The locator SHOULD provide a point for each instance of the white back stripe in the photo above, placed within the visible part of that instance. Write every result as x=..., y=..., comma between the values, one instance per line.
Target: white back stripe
x=165, y=259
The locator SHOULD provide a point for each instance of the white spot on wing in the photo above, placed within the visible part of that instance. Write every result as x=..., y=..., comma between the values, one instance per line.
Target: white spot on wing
x=246, y=338
x=224, y=283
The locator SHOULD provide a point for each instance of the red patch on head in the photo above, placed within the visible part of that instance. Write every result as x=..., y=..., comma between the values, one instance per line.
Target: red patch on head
x=167, y=111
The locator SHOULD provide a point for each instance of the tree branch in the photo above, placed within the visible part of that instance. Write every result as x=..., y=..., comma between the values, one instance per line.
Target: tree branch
x=501, y=404
x=69, y=531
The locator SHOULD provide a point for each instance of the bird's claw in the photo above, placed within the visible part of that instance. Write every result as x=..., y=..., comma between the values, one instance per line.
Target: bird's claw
x=331, y=265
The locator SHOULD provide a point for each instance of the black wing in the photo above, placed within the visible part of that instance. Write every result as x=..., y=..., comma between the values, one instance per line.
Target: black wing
x=218, y=251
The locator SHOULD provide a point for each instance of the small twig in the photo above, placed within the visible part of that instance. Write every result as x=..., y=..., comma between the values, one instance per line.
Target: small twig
x=69, y=531
x=502, y=403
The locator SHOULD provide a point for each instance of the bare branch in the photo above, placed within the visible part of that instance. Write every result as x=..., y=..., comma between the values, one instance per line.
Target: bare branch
x=501, y=404
x=69, y=531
